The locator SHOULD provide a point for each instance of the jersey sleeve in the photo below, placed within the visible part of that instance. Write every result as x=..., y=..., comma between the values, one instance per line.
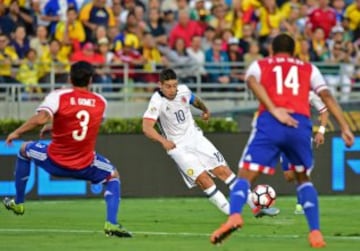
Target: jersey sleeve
x=190, y=97
x=253, y=70
x=317, y=81
x=103, y=99
x=50, y=104
x=153, y=110
x=316, y=102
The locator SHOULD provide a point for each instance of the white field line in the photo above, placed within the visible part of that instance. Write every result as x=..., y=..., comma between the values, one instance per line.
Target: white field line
x=83, y=231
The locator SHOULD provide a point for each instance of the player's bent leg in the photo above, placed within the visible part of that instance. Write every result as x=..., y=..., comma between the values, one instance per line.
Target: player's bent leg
x=215, y=196
x=289, y=176
x=238, y=198
x=309, y=200
x=22, y=172
x=225, y=174
x=233, y=223
x=112, y=199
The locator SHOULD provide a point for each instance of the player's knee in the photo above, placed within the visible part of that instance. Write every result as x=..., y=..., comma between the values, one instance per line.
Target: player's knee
x=302, y=178
x=249, y=175
x=22, y=150
x=115, y=174
x=204, y=181
x=222, y=172
x=289, y=176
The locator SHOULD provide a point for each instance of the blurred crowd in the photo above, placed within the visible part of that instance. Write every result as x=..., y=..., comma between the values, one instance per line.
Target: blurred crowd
x=213, y=39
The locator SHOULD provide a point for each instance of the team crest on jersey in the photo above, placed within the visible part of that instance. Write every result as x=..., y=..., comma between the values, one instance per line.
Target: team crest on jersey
x=183, y=99
x=190, y=172
x=153, y=109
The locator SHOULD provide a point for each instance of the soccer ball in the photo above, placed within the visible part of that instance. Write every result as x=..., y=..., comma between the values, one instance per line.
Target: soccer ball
x=263, y=196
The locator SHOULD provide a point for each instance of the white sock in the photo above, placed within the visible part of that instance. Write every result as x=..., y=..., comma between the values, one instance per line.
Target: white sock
x=218, y=199
x=249, y=200
x=230, y=181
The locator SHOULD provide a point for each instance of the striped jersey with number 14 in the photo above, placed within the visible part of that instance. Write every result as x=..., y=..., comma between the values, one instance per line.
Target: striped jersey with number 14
x=287, y=81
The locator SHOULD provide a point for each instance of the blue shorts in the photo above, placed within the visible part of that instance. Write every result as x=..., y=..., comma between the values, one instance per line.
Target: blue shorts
x=99, y=171
x=269, y=138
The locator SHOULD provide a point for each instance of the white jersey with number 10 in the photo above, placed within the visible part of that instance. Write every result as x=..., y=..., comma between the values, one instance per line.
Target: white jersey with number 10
x=173, y=116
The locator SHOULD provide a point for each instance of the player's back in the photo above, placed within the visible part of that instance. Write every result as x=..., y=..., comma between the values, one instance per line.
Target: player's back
x=75, y=127
x=287, y=81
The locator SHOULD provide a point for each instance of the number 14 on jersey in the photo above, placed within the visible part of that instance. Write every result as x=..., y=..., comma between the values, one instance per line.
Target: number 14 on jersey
x=290, y=81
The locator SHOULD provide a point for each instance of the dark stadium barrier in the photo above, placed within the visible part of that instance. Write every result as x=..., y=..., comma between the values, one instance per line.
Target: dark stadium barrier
x=146, y=170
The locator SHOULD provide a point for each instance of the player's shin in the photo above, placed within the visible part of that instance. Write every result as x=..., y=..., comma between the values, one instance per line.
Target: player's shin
x=22, y=172
x=309, y=200
x=112, y=199
x=230, y=181
x=239, y=195
x=217, y=198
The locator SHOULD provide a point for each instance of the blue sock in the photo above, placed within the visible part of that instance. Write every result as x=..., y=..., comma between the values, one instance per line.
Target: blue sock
x=238, y=196
x=112, y=198
x=309, y=201
x=298, y=200
x=22, y=172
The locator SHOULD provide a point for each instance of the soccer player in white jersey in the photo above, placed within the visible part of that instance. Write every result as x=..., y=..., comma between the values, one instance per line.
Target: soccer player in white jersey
x=196, y=157
x=319, y=139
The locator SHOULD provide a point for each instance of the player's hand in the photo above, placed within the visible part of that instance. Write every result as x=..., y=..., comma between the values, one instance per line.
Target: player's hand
x=319, y=139
x=348, y=137
x=11, y=137
x=168, y=145
x=205, y=115
x=283, y=115
x=46, y=129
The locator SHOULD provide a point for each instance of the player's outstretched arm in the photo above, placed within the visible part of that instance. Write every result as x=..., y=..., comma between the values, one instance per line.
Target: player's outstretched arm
x=150, y=132
x=199, y=104
x=337, y=112
x=39, y=119
x=279, y=113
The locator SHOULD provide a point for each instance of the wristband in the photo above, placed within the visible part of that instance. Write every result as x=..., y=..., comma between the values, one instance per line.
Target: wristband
x=322, y=129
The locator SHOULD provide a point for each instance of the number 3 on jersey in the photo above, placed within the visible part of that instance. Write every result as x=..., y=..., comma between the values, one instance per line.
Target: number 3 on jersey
x=291, y=80
x=84, y=118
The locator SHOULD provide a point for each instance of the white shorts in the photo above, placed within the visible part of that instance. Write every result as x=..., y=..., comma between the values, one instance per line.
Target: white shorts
x=195, y=157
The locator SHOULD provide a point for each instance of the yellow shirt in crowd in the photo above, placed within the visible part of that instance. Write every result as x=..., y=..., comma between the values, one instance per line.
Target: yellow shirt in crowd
x=61, y=61
x=269, y=21
x=28, y=74
x=236, y=26
x=151, y=56
x=353, y=14
x=75, y=31
x=22, y=3
x=8, y=53
x=85, y=14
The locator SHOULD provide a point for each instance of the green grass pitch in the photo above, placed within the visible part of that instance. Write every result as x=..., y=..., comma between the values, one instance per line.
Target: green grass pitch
x=174, y=224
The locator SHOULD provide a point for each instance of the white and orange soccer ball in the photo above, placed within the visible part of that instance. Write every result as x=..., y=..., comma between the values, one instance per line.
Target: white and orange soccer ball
x=263, y=196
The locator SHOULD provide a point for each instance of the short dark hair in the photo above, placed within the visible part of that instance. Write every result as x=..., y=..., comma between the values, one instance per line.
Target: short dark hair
x=71, y=8
x=283, y=43
x=167, y=74
x=81, y=73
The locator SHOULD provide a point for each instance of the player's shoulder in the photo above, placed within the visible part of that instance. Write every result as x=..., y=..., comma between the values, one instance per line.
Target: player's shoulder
x=312, y=67
x=100, y=97
x=60, y=92
x=183, y=88
x=157, y=96
x=262, y=62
